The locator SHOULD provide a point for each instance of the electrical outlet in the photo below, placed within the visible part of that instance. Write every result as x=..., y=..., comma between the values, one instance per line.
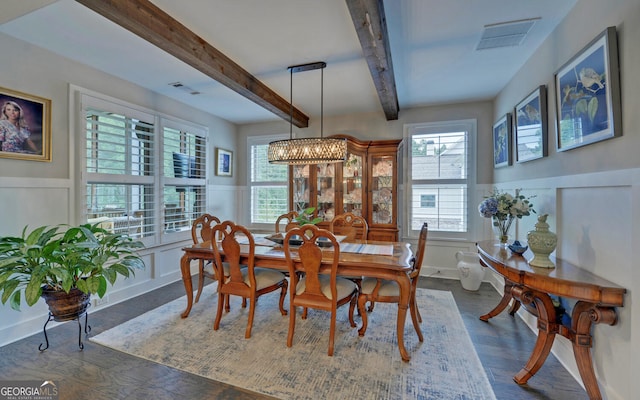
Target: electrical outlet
x=97, y=302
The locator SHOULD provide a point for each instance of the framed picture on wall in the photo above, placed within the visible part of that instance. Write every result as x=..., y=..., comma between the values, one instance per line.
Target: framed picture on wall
x=531, y=126
x=25, y=126
x=502, y=141
x=224, y=162
x=588, y=94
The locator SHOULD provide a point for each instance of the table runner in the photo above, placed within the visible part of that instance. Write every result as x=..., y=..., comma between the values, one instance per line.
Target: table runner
x=361, y=248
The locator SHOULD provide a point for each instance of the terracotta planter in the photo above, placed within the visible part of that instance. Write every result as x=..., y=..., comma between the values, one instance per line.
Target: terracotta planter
x=66, y=306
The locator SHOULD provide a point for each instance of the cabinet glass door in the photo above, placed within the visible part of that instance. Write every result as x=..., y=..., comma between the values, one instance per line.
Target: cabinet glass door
x=326, y=187
x=352, y=189
x=382, y=190
x=301, y=197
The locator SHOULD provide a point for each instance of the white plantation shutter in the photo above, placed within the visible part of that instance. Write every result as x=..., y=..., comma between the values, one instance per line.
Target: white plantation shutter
x=440, y=155
x=184, y=171
x=268, y=182
x=119, y=160
x=144, y=174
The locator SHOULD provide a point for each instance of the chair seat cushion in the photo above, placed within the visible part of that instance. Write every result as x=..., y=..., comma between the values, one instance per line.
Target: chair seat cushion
x=345, y=286
x=387, y=288
x=264, y=277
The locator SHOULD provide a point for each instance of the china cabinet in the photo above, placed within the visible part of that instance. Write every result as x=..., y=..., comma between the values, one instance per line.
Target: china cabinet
x=365, y=184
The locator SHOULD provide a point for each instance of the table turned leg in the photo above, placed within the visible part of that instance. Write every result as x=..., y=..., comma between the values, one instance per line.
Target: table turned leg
x=582, y=317
x=185, y=270
x=504, y=302
x=547, y=329
x=403, y=305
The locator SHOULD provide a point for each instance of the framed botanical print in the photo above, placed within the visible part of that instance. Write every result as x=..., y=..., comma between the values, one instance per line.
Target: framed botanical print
x=224, y=162
x=25, y=126
x=502, y=130
x=588, y=94
x=531, y=126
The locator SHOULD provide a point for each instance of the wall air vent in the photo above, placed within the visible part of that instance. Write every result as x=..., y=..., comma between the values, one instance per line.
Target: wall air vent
x=505, y=34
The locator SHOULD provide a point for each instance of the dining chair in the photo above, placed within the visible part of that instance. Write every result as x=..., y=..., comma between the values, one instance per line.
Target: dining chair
x=354, y=227
x=244, y=280
x=350, y=225
x=288, y=219
x=322, y=290
x=201, y=232
x=387, y=291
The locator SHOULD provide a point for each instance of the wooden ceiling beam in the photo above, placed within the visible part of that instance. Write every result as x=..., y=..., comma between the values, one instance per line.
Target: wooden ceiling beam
x=371, y=25
x=149, y=22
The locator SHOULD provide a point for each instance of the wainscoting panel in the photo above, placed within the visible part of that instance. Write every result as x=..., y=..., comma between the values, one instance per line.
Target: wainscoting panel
x=596, y=229
x=22, y=203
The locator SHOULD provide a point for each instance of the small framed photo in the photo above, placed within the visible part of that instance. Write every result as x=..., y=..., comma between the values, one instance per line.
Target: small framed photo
x=224, y=162
x=502, y=130
x=531, y=126
x=588, y=94
x=25, y=126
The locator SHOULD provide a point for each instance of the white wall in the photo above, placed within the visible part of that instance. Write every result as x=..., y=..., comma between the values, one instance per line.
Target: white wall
x=591, y=192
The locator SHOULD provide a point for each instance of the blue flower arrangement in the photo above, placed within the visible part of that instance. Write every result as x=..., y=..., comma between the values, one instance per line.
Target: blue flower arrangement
x=503, y=208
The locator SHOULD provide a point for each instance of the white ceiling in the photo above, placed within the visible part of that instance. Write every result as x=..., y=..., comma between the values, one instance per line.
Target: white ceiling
x=432, y=45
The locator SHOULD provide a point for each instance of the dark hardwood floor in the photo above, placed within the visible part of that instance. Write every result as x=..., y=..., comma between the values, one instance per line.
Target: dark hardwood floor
x=98, y=373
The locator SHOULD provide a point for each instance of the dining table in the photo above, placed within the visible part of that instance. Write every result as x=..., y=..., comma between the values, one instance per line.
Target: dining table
x=367, y=258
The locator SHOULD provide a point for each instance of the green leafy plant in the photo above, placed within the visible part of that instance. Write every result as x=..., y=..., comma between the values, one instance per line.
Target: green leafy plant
x=64, y=257
x=306, y=217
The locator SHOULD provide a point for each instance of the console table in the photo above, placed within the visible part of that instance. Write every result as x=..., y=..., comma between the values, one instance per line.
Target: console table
x=531, y=287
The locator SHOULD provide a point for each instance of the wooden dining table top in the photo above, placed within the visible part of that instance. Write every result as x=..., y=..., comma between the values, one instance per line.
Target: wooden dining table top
x=272, y=256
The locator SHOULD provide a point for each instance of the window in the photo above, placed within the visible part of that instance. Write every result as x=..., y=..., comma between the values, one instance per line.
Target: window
x=184, y=173
x=268, y=183
x=131, y=186
x=439, y=157
x=119, y=150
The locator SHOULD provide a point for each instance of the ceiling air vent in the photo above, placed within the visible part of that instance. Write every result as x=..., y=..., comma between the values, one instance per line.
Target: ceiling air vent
x=505, y=34
x=179, y=85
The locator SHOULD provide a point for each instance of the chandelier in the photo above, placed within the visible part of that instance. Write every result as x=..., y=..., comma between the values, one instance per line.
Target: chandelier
x=307, y=150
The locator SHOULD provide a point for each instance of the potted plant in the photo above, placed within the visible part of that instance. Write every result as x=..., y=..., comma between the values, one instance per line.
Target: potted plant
x=67, y=262
x=306, y=217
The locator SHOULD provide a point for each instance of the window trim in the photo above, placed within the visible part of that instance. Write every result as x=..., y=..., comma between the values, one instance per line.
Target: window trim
x=466, y=125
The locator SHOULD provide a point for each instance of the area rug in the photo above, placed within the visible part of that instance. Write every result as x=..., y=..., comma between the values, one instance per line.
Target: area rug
x=444, y=366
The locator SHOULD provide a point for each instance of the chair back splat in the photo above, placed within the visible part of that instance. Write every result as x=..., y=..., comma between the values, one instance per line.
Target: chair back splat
x=314, y=278
x=200, y=233
x=350, y=225
x=202, y=227
x=289, y=221
x=244, y=280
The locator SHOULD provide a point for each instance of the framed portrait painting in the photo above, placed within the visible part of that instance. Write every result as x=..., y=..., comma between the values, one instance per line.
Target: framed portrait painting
x=224, y=162
x=531, y=126
x=502, y=130
x=588, y=94
x=25, y=126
